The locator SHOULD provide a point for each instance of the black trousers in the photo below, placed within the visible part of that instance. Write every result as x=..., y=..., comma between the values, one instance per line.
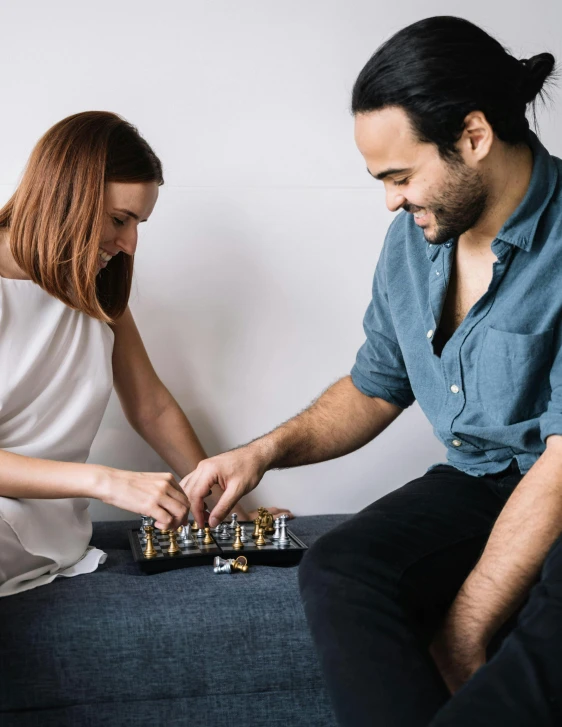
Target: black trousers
x=376, y=588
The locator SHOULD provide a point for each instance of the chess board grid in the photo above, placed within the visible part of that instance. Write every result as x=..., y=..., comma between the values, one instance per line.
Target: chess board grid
x=269, y=554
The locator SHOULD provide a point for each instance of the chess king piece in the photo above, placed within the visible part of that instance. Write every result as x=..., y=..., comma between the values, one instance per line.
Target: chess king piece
x=275, y=535
x=174, y=547
x=149, y=551
x=233, y=522
x=256, y=532
x=240, y=564
x=208, y=540
x=238, y=544
x=261, y=540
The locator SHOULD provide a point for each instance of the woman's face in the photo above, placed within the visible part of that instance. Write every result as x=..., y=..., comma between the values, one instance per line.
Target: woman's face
x=125, y=206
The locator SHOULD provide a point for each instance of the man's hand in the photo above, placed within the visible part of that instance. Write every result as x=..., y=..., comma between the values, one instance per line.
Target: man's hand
x=236, y=473
x=456, y=656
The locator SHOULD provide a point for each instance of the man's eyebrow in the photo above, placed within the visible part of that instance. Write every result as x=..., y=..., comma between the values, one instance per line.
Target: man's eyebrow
x=389, y=172
x=128, y=212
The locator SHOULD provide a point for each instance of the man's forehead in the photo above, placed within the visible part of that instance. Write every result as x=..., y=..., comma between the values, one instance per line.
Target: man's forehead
x=386, y=139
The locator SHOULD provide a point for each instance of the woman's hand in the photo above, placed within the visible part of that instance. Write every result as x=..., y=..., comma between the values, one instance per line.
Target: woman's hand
x=156, y=494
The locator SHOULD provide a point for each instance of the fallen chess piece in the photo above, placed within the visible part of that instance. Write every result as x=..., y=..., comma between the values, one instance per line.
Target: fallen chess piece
x=231, y=565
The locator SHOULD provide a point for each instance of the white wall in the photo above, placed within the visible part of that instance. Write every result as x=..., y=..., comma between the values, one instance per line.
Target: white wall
x=254, y=271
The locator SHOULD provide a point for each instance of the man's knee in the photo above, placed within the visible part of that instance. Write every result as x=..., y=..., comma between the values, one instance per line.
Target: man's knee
x=344, y=556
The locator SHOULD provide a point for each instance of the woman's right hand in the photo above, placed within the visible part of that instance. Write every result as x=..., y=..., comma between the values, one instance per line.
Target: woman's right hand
x=156, y=494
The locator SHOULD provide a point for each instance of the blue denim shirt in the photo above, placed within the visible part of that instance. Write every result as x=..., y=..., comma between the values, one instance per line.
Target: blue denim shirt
x=495, y=393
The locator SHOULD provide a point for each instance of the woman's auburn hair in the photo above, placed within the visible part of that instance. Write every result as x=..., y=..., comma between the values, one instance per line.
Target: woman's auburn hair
x=55, y=218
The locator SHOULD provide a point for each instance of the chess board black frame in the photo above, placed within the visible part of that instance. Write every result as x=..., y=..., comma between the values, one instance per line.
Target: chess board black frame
x=205, y=555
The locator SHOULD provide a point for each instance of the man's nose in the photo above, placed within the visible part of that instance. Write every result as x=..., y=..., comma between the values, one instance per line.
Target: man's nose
x=394, y=200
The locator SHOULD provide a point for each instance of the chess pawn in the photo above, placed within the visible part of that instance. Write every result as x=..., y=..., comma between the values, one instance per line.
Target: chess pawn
x=174, y=547
x=222, y=566
x=261, y=539
x=240, y=564
x=243, y=535
x=275, y=535
x=238, y=544
x=149, y=551
x=200, y=533
x=225, y=534
x=256, y=532
x=195, y=526
x=208, y=540
x=234, y=522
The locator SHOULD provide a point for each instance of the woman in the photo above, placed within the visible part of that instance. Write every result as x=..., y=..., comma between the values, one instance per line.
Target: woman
x=67, y=242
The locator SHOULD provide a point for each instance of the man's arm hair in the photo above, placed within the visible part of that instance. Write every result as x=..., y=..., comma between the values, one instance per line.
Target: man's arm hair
x=341, y=420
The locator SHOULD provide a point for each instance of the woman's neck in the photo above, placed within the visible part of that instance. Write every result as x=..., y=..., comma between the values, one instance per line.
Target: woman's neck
x=8, y=266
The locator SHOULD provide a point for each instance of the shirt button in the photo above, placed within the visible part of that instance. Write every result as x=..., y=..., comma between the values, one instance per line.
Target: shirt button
x=437, y=272
x=455, y=389
x=429, y=333
x=456, y=443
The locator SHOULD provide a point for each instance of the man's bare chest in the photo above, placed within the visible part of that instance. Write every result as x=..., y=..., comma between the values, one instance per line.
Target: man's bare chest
x=470, y=278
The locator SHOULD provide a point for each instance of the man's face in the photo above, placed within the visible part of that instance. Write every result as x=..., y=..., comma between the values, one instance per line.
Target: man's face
x=447, y=198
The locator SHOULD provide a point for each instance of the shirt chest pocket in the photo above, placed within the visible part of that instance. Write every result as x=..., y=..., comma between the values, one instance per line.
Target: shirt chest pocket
x=513, y=374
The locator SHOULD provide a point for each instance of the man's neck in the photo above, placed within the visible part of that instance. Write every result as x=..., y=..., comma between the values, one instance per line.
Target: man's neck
x=509, y=172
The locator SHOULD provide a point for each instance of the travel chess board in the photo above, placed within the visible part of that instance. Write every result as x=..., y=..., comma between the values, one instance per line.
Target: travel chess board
x=192, y=550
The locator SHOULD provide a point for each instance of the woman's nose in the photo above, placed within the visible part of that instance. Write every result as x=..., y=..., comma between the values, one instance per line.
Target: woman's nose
x=128, y=241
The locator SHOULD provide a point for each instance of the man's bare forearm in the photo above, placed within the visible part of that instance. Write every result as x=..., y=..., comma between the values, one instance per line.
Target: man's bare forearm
x=340, y=421
x=523, y=533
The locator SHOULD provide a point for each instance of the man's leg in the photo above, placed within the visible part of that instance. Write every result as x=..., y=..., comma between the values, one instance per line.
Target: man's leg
x=375, y=588
x=521, y=685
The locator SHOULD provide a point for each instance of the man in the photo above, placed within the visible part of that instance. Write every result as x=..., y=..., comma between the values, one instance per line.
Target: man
x=410, y=600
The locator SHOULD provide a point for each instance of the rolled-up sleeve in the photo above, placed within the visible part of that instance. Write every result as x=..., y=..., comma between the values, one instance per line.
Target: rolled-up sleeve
x=379, y=368
x=551, y=421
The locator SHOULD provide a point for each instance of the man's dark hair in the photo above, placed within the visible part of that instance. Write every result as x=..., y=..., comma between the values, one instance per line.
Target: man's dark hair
x=440, y=69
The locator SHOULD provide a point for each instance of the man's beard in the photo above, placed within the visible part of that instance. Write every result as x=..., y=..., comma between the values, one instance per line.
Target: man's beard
x=460, y=207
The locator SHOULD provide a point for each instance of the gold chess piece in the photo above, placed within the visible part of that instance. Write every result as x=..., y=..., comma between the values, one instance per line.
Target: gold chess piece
x=256, y=532
x=164, y=532
x=149, y=551
x=195, y=527
x=208, y=539
x=261, y=539
x=266, y=520
x=238, y=544
x=174, y=547
x=241, y=564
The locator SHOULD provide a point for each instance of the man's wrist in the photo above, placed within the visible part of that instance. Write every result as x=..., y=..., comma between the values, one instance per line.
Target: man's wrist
x=264, y=451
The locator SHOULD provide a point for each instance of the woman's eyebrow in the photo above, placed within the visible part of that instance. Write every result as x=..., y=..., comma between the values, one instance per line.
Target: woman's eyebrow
x=128, y=212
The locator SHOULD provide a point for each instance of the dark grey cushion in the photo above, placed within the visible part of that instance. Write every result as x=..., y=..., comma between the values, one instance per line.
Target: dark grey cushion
x=118, y=647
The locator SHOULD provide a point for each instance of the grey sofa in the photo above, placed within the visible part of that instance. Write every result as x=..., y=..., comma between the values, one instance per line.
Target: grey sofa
x=118, y=647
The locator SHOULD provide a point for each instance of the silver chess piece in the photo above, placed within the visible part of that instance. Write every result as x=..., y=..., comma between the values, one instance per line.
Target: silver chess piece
x=284, y=539
x=201, y=533
x=276, y=534
x=221, y=565
x=225, y=532
x=233, y=523
x=243, y=537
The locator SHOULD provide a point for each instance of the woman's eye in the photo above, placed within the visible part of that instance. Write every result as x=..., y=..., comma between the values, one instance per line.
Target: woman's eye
x=118, y=222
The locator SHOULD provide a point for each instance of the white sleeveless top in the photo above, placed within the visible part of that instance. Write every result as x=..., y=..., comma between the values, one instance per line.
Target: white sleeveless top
x=55, y=382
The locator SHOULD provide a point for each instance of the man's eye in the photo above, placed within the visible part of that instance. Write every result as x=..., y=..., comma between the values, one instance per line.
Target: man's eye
x=118, y=222
x=399, y=182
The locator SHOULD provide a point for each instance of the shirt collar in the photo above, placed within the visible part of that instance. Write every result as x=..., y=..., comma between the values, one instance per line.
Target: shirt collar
x=519, y=229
